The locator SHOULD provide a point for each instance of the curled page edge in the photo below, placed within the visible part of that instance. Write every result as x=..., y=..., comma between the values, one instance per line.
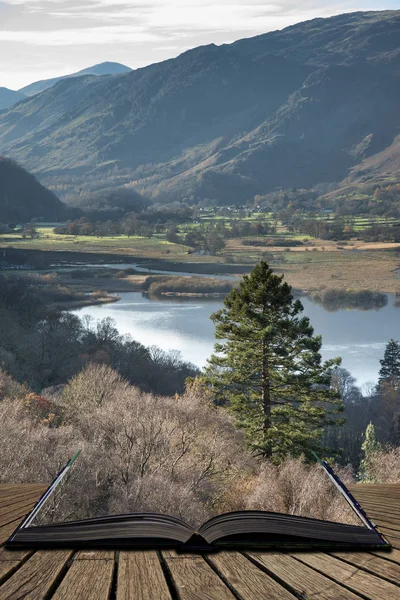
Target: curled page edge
x=39, y=504
x=355, y=505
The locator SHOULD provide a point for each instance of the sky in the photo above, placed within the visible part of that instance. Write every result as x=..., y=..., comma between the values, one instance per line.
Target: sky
x=40, y=39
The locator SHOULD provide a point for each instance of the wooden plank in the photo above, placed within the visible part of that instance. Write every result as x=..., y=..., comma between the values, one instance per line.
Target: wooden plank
x=6, y=502
x=21, y=490
x=393, y=488
x=6, y=530
x=88, y=578
x=390, y=534
x=195, y=580
x=18, y=488
x=381, y=511
x=381, y=499
x=94, y=555
x=10, y=561
x=304, y=580
x=13, y=486
x=370, y=586
x=388, y=489
x=26, y=503
x=382, y=516
x=140, y=577
x=391, y=507
x=379, y=504
x=387, y=518
x=247, y=579
x=382, y=523
x=372, y=563
x=7, y=569
x=394, y=543
x=37, y=577
x=6, y=555
x=393, y=555
x=17, y=512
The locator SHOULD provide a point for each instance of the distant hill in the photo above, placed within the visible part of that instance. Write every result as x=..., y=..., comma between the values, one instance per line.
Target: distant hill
x=314, y=103
x=105, y=68
x=23, y=198
x=9, y=97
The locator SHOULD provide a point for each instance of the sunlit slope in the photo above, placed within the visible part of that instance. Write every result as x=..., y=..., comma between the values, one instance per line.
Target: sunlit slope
x=290, y=108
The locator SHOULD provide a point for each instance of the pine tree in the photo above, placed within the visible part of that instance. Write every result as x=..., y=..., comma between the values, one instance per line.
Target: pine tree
x=268, y=368
x=369, y=447
x=390, y=364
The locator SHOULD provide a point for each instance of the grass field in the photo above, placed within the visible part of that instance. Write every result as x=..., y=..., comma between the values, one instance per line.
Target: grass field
x=312, y=266
x=139, y=246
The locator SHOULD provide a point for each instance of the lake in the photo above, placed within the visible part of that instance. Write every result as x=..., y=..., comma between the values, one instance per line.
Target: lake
x=184, y=324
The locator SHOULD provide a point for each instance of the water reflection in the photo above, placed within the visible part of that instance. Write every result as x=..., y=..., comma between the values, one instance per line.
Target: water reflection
x=184, y=324
x=333, y=300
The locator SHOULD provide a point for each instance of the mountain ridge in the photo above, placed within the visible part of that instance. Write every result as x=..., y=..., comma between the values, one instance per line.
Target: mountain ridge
x=104, y=68
x=297, y=107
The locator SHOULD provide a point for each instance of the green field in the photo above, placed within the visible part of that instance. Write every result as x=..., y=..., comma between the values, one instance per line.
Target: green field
x=139, y=246
x=313, y=265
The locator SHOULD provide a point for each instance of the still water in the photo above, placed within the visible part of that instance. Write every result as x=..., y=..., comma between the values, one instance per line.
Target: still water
x=184, y=324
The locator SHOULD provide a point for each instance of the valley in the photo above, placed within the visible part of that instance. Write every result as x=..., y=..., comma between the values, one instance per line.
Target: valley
x=313, y=265
x=200, y=265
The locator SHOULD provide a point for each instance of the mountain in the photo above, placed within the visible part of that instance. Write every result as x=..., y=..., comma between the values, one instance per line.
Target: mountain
x=9, y=97
x=316, y=102
x=23, y=198
x=105, y=68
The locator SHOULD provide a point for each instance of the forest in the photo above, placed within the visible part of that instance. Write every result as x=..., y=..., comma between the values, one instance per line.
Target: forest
x=164, y=436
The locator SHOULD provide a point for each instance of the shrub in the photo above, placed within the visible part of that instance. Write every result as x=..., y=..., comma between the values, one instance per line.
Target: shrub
x=187, y=285
x=141, y=452
x=99, y=294
x=91, y=388
x=384, y=466
x=11, y=389
x=42, y=410
x=295, y=487
x=278, y=242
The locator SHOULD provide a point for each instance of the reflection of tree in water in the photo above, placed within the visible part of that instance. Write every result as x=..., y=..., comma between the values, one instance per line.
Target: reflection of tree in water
x=333, y=300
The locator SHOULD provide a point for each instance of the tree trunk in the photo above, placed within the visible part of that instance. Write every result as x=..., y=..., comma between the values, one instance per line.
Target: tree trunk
x=265, y=392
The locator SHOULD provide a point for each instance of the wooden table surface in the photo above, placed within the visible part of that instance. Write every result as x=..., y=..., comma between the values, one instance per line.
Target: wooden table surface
x=151, y=575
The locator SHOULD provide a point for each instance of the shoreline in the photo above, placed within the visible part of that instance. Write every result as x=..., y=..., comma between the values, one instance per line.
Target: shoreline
x=74, y=304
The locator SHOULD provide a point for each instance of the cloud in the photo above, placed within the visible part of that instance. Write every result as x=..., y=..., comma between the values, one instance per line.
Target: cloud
x=80, y=37
x=138, y=32
x=96, y=21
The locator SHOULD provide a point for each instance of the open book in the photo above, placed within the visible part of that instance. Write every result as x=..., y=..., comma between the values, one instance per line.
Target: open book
x=243, y=529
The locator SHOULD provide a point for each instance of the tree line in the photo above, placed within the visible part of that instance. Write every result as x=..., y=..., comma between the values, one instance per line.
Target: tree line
x=45, y=347
x=266, y=370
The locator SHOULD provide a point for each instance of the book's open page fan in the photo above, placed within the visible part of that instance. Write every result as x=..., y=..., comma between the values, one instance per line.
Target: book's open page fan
x=49, y=525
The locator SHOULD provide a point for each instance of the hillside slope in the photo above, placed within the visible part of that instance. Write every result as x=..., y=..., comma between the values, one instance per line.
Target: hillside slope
x=9, y=97
x=297, y=107
x=23, y=198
